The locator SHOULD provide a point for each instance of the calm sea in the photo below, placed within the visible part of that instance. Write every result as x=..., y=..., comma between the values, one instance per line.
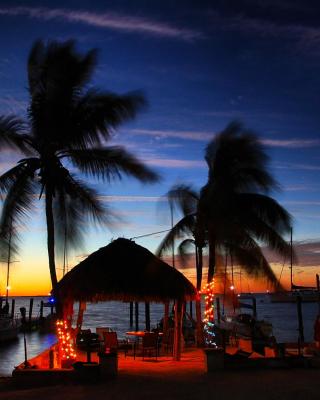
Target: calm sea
x=116, y=315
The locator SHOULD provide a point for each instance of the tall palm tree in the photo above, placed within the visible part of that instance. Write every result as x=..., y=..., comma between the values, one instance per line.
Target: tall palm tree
x=69, y=125
x=233, y=212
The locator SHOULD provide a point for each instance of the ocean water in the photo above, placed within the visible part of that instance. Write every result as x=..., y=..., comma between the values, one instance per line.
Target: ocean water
x=116, y=316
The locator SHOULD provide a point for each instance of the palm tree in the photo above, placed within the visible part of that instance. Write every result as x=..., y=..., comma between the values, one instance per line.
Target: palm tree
x=239, y=214
x=233, y=213
x=69, y=125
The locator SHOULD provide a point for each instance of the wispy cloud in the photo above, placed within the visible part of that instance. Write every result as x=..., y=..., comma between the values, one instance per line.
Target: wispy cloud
x=116, y=199
x=291, y=143
x=301, y=188
x=188, y=135
x=174, y=163
x=106, y=20
x=204, y=136
x=13, y=105
x=304, y=167
x=305, y=36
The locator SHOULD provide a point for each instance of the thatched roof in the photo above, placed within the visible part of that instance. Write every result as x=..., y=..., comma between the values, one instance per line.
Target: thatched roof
x=124, y=271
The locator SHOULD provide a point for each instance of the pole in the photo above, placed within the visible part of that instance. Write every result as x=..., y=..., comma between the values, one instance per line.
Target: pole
x=291, y=259
x=25, y=350
x=318, y=289
x=8, y=263
x=13, y=302
x=131, y=314
x=178, y=312
x=147, y=316
x=41, y=309
x=137, y=315
x=30, y=311
x=300, y=322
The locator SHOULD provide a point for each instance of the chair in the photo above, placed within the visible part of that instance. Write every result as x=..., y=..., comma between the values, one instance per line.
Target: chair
x=150, y=344
x=167, y=341
x=100, y=330
x=110, y=341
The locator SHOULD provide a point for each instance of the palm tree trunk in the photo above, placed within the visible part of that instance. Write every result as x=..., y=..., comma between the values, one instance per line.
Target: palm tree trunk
x=199, y=330
x=51, y=242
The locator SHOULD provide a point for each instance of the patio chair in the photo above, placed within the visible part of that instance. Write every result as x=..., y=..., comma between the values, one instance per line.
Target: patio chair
x=167, y=341
x=150, y=344
x=100, y=330
x=110, y=340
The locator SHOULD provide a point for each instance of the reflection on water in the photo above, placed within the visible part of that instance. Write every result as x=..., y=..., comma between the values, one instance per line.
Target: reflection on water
x=283, y=317
x=12, y=354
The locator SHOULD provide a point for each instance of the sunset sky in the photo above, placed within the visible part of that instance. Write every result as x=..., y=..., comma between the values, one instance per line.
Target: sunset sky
x=200, y=66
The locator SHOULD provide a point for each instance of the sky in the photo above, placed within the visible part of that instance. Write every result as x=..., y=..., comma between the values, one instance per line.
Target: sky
x=200, y=65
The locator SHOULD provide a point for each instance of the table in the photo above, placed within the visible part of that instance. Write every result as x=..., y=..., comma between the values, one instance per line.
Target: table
x=138, y=335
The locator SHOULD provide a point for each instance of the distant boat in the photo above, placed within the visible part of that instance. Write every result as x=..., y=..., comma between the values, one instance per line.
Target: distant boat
x=306, y=294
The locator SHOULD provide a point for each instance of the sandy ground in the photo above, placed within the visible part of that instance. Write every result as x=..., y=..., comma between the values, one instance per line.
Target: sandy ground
x=165, y=379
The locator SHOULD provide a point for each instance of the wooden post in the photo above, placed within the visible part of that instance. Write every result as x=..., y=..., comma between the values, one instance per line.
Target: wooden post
x=131, y=314
x=41, y=309
x=178, y=312
x=300, y=321
x=254, y=307
x=166, y=318
x=147, y=316
x=137, y=315
x=218, y=309
x=82, y=308
x=13, y=303
x=191, y=309
x=30, y=311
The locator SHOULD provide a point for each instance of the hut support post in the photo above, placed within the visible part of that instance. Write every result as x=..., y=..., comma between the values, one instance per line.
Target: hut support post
x=166, y=317
x=131, y=314
x=178, y=312
x=147, y=316
x=137, y=315
x=82, y=308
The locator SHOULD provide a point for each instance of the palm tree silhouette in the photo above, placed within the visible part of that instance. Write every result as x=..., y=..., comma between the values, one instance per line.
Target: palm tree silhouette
x=68, y=126
x=233, y=212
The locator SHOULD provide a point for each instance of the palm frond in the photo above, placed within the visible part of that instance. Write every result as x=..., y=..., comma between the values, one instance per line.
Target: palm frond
x=110, y=163
x=249, y=256
x=12, y=134
x=237, y=159
x=18, y=204
x=95, y=115
x=75, y=205
x=184, y=198
x=183, y=227
x=186, y=249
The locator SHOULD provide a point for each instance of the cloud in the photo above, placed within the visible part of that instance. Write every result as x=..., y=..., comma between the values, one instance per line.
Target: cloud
x=291, y=143
x=304, y=167
x=187, y=135
x=174, y=163
x=13, y=105
x=106, y=20
x=305, y=36
x=301, y=187
x=116, y=199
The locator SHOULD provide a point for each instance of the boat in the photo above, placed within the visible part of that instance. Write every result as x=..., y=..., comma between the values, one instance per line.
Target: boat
x=304, y=293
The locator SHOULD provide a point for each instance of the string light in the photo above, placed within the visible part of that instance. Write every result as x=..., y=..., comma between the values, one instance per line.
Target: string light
x=208, y=320
x=66, y=347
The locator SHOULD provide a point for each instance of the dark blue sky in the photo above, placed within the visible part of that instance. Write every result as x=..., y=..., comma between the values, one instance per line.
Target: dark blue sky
x=200, y=64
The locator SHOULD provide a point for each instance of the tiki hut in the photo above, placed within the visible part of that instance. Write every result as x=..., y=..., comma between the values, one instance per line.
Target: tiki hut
x=127, y=272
